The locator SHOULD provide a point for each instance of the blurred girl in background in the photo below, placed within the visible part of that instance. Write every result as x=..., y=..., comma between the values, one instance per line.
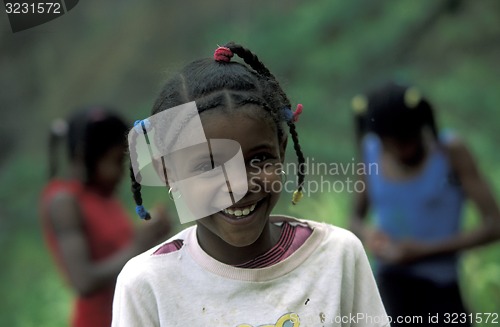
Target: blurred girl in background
x=86, y=228
x=417, y=197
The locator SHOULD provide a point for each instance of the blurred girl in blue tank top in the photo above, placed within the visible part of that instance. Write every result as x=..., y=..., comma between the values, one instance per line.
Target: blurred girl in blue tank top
x=416, y=195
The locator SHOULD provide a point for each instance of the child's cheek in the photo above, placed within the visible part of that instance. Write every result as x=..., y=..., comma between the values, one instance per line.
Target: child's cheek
x=267, y=178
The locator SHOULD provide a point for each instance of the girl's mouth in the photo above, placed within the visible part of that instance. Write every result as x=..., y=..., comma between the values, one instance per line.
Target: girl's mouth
x=240, y=212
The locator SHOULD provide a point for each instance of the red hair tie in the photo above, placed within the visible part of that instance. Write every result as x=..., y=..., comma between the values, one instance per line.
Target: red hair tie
x=297, y=113
x=223, y=54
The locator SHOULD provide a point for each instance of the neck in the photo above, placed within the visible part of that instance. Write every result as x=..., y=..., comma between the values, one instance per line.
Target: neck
x=417, y=158
x=102, y=191
x=232, y=255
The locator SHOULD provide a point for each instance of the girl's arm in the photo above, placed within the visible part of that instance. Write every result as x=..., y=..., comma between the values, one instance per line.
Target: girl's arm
x=479, y=192
x=373, y=239
x=360, y=208
x=476, y=189
x=84, y=275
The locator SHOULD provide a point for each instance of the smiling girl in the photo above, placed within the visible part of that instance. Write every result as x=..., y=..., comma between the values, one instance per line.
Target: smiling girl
x=240, y=265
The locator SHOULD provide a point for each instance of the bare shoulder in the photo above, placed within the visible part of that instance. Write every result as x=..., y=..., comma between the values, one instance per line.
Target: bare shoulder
x=63, y=210
x=460, y=156
x=62, y=197
x=454, y=144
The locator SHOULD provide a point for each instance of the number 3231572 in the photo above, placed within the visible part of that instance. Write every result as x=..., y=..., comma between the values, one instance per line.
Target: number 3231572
x=486, y=317
x=33, y=8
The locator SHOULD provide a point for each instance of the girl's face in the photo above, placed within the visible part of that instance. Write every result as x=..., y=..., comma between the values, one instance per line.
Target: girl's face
x=109, y=169
x=243, y=223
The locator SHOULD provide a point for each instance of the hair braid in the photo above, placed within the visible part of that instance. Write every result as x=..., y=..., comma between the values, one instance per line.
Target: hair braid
x=53, y=162
x=300, y=156
x=283, y=103
x=253, y=61
x=428, y=118
x=136, y=186
x=250, y=58
x=58, y=132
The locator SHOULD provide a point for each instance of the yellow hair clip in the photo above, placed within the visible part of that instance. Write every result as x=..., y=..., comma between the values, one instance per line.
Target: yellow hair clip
x=297, y=196
x=359, y=104
x=412, y=97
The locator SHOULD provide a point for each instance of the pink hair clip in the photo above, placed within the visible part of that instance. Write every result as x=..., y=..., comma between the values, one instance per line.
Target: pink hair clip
x=297, y=113
x=223, y=54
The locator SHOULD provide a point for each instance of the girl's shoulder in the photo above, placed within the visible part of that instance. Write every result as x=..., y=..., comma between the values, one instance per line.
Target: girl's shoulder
x=147, y=262
x=60, y=186
x=453, y=146
x=449, y=138
x=56, y=194
x=370, y=140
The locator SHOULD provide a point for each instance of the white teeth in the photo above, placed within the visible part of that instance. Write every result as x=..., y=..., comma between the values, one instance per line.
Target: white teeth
x=241, y=212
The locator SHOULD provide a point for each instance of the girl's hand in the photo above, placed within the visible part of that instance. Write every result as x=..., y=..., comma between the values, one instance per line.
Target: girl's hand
x=401, y=252
x=395, y=252
x=161, y=221
x=375, y=240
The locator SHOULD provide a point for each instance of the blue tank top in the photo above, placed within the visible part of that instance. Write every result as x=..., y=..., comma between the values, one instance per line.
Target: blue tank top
x=426, y=207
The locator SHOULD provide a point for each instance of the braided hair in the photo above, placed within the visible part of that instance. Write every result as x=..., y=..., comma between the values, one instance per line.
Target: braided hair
x=228, y=84
x=89, y=133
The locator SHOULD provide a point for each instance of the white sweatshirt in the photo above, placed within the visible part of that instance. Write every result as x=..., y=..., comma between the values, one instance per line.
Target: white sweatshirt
x=326, y=282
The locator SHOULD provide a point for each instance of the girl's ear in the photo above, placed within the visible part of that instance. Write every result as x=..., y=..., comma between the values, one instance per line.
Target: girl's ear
x=283, y=144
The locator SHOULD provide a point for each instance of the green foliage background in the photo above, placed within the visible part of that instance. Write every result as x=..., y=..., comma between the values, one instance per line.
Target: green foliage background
x=324, y=52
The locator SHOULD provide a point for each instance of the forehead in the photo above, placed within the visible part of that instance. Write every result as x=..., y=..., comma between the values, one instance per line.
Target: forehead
x=249, y=125
x=243, y=124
